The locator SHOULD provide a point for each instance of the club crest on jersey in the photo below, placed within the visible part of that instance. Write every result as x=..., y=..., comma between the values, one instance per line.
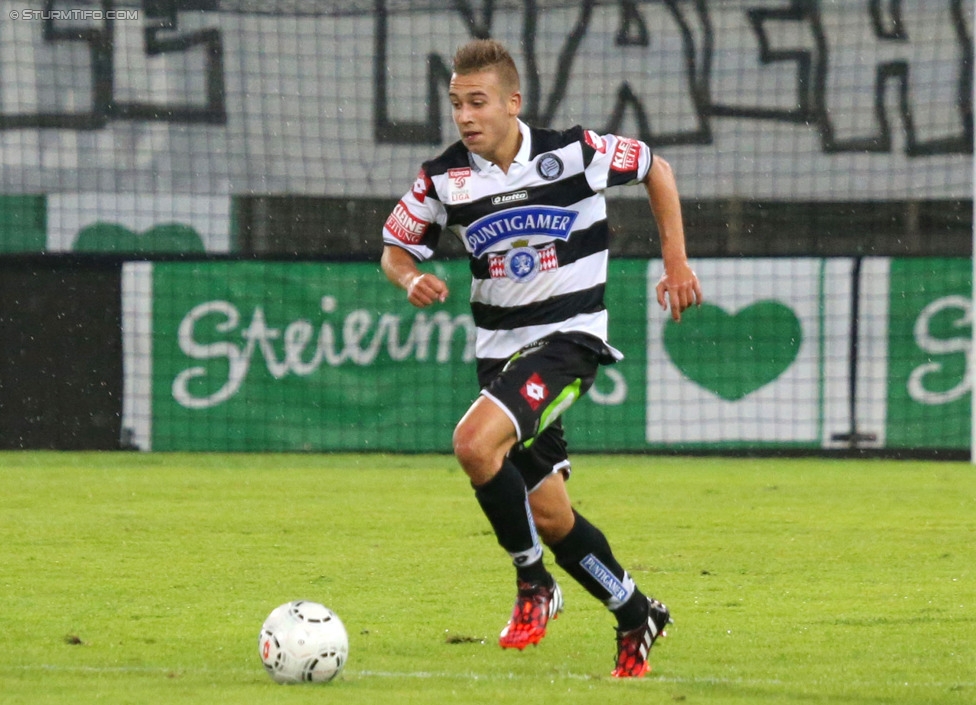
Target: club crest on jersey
x=522, y=263
x=550, y=167
x=519, y=222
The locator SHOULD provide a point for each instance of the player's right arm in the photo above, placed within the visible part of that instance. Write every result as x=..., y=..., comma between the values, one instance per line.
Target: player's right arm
x=423, y=288
x=408, y=239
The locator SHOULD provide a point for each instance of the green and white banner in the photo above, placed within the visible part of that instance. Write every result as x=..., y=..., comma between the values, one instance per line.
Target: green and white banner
x=144, y=223
x=930, y=376
x=273, y=356
x=314, y=356
x=758, y=362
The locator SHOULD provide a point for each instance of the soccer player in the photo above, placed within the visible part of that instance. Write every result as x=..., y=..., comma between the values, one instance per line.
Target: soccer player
x=528, y=205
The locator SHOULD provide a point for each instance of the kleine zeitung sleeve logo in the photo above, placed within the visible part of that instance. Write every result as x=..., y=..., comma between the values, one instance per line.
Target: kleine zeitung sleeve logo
x=405, y=226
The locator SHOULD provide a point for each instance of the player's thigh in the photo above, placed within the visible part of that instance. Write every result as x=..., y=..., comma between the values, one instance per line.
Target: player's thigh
x=537, y=386
x=546, y=455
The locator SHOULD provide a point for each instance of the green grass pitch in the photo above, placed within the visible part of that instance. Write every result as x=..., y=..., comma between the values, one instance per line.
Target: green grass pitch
x=144, y=578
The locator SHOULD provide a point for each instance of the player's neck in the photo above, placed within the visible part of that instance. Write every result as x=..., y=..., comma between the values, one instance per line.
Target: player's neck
x=506, y=153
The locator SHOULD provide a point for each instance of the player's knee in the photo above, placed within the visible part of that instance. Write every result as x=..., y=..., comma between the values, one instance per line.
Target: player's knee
x=467, y=448
x=477, y=454
x=553, y=526
x=548, y=530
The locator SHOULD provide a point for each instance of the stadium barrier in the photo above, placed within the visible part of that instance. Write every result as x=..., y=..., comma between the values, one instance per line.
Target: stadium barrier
x=60, y=354
x=265, y=356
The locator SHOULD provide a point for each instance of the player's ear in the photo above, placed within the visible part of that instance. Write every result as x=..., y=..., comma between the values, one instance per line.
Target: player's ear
x=515, y=104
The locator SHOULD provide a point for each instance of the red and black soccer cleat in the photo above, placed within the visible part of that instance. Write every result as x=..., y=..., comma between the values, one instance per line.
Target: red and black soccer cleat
x=535, y=605
x=633, y=646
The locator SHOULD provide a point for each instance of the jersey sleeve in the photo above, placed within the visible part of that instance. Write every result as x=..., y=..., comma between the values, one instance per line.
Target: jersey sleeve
x=414, y=224
x=615, y=160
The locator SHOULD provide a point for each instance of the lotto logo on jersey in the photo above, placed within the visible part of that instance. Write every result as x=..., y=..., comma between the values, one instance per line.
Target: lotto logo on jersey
x=535, y=391
x=421, y=186
x=625, y=154
x=405, y=226
x=595, y=141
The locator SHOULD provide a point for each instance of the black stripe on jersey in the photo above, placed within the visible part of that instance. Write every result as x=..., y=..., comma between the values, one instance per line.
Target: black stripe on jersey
x=553, y=310
x=620, y=178
x=561, y=194
x=582, y=243
x=455, y=156
x=544, y=140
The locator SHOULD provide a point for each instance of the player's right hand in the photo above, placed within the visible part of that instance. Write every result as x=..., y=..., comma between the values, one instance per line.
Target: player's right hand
x=425, y=289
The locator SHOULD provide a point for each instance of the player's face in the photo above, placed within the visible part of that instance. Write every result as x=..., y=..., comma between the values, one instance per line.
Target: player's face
x=485, y=114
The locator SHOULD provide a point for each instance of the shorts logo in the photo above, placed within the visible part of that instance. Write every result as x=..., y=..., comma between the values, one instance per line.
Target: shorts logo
x=405, y=226
x=519, y=222
x=535, y=391
x=550, y=167
x=625, y=154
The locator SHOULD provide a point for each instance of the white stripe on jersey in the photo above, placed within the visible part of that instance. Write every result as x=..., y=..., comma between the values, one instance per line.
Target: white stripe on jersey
x=502, y=344
x=591, y=210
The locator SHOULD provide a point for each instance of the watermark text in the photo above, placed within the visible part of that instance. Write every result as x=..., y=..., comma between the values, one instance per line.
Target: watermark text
x=73, y=15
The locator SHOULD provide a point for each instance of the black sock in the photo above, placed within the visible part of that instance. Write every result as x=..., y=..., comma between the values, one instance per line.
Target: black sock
x=505, y=502
x=585, y=554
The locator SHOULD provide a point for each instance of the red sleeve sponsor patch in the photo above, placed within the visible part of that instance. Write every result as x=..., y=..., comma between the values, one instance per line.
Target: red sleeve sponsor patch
x=405, y=226
x=626, y=155
x=421, y=186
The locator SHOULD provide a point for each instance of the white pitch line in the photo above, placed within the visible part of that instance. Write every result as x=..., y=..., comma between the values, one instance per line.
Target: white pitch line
x=443, y=675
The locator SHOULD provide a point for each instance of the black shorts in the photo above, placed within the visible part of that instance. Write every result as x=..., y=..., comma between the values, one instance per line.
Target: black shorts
x=534, y=388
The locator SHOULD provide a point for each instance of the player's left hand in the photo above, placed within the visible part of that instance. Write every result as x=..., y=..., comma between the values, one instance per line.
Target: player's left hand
x=678, y=287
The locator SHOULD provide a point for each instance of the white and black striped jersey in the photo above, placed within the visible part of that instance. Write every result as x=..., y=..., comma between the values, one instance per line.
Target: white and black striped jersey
x=537, y=236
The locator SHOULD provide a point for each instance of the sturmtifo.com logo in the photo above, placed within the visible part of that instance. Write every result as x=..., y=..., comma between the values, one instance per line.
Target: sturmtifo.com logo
x=73, y=15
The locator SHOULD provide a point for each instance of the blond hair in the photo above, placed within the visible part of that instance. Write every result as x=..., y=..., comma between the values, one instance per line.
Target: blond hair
x=484, y=55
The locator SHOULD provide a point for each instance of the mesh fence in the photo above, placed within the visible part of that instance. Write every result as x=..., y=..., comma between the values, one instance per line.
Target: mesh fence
x=820, y=148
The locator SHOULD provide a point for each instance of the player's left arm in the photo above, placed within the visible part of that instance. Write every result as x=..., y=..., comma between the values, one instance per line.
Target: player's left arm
x=679, y=285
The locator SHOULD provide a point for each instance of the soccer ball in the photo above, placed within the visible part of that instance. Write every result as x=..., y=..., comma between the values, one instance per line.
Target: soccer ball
x=303, y=642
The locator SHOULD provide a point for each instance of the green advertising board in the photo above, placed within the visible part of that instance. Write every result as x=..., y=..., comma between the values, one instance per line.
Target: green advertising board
x=305, y=356
x=268, y=356
x=929, y=353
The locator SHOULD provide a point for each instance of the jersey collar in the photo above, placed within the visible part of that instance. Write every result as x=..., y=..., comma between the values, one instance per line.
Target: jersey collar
x=521, y=157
